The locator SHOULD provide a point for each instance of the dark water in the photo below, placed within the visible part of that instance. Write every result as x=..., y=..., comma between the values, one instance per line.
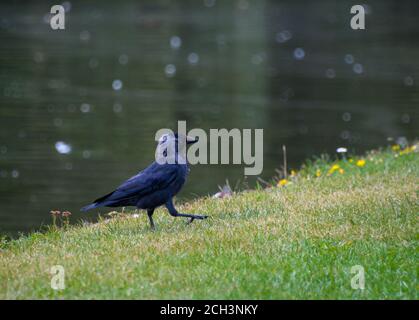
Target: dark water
x=294, y=68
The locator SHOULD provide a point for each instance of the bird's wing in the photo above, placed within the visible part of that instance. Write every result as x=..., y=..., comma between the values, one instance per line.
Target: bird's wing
x=154, y=177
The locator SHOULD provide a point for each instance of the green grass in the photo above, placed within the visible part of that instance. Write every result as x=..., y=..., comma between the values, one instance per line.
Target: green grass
x=296, y=241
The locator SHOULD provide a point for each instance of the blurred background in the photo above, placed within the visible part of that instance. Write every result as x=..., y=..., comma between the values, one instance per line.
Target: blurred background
x=79, y=107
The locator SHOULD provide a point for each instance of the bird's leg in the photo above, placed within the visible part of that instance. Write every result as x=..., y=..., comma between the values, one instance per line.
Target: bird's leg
x=173, y=212
x=150, y=217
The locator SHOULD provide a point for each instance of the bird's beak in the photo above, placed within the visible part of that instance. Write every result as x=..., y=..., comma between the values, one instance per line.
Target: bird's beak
x=191, y=140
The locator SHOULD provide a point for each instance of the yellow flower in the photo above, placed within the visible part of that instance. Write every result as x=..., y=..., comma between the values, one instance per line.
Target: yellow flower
x=334, y=168
x=282, y=182
x=293, y=173
x=360, y=163
x=395, y=147
x=408, y=150
x=341, y=171
x=351, y=160
x=318, y=173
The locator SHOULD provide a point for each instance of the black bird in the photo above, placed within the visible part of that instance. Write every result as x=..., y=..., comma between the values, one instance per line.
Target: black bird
x=156, y=185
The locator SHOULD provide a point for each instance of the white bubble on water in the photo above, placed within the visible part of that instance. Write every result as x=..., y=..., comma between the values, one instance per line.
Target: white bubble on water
x=67, y=6
x=193, y=58
x=405, y=118
x=117, y=84
x=170, y=70
x=358, y=68
x=349, y=59
x=330, y=73
x=346, y=117
x=175, y=42
x=47, y=18
x=15, y=173
x=85, y=107
x=299, y=53
x=63, y=147
x=408, y=81
x=283, y=36
x=345, y=134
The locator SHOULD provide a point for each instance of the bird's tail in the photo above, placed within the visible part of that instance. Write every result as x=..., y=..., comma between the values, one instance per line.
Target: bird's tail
x=100, y=202
x=90, y=206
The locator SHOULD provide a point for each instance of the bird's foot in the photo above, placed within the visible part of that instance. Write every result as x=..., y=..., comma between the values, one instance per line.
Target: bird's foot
x=196, y=217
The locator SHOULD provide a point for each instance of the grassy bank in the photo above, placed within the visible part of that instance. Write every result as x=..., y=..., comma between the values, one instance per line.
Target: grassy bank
x=296, y=240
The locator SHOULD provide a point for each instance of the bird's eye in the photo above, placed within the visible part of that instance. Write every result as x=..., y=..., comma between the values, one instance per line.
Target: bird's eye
x=163, y=139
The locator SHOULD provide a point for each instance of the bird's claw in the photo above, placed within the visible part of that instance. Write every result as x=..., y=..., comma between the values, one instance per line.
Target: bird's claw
x=197, y=217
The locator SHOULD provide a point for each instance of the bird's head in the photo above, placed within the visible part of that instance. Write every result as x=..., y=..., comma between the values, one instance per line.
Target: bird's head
x=172, y=146
x=177, y=139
